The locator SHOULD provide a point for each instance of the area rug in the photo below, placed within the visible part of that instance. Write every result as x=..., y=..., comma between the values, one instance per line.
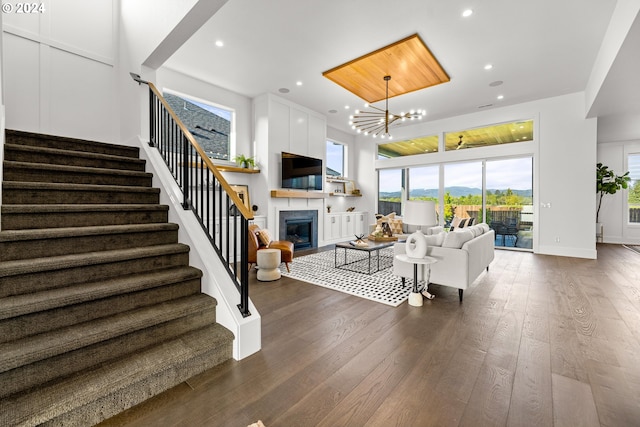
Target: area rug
x=319, y=269
x=634, y=248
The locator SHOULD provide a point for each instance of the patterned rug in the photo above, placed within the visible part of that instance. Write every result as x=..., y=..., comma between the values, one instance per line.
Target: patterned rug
x=319, y=269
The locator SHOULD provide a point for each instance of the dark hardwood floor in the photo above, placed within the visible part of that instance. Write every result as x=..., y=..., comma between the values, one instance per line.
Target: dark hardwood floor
x=538, y=341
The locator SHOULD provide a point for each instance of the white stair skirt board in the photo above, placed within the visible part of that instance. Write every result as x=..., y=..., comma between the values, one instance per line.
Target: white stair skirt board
x=383, y=286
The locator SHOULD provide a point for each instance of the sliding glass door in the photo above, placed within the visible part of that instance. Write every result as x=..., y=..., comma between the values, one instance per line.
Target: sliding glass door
x=463, y=191
x=509, y=201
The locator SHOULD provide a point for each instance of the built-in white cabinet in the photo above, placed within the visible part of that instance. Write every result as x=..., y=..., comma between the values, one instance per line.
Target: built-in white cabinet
x=341, y=226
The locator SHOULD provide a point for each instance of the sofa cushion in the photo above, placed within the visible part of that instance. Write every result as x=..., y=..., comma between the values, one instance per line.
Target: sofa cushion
x=476, y=230
x=484, y=226
x=455, y=239
x=435, y=239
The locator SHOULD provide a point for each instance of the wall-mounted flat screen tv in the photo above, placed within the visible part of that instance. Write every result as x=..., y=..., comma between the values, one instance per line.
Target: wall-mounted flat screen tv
x=301, y=172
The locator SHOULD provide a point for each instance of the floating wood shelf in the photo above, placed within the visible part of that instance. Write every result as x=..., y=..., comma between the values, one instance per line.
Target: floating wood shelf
x=345, y=195
x=235, y=169
x=337, y=180
x=293, y=194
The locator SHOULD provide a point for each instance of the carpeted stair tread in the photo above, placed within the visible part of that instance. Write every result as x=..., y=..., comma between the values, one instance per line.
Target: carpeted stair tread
x=13, y=268
x=45, y=155
x=42, y=346
x=19, y=217
x=57, y=233
x=37, y=172
x=18, y=305
x=22, y=192
x=67, y=143
x=24, y=244
x=120, y=384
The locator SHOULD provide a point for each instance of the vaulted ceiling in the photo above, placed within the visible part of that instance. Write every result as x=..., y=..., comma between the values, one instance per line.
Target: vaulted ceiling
x=537, y=49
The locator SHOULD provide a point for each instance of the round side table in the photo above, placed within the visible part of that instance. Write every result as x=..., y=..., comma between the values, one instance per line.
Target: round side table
x=415, y=297
x=268, y=263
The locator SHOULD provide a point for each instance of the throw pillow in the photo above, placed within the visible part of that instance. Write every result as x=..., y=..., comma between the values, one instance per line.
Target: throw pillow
x=455, y=239
x=396, y=225
x=264, y=237
x=455, y=222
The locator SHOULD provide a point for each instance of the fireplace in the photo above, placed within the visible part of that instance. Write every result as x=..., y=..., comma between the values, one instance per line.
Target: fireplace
x=299, y=227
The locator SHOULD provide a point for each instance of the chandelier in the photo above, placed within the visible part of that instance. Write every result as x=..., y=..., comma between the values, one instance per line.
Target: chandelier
x=377, y=122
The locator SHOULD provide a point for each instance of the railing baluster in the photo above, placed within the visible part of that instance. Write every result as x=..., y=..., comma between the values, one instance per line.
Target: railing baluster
x=183, y=158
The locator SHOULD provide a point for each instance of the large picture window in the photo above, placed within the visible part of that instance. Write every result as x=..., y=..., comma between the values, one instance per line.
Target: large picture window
x=391, y=191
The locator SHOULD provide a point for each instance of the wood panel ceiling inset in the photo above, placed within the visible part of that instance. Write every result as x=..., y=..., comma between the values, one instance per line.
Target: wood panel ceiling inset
x=409, y=62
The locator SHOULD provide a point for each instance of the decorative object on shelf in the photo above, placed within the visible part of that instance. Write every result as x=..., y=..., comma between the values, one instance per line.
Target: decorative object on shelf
x=351, y=209
x=377, y=122
x=356, y=192
x=328, y=208
x=244, y=162
x=349, y=186
x=243, y=193
x=607, y=182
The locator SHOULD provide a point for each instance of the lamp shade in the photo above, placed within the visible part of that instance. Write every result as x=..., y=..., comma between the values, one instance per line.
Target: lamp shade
x=421, y=213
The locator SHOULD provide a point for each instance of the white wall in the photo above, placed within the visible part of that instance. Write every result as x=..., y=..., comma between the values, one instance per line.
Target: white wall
x=59, y=69
x=564, y=150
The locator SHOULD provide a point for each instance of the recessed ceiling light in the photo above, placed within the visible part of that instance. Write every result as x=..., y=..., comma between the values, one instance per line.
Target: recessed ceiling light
x=467, y=13
x=488, y=67
x=500, y=96
x=219, y=43
x=346, y=107
x=283, y=90
x=298, y=83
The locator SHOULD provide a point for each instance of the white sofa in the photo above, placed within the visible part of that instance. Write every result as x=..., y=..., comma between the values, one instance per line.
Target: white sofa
x=462, y=255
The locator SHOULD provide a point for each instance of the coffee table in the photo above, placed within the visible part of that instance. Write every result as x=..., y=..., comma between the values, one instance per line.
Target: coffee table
x=369, y=264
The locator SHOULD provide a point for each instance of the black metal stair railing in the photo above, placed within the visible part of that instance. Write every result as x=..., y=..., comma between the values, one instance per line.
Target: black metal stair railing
x=220, y=211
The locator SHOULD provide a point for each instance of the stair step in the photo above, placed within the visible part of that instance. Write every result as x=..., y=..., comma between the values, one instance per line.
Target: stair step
x=28, y=376
x=20, y=217
x=94, y=395
x=66, y=143
x=117, y=300
x=20, y=277
x=44, y=193
x=20, y=305
x=27, y=244
x=38, y=172
x=42, y=346
x=24, y=153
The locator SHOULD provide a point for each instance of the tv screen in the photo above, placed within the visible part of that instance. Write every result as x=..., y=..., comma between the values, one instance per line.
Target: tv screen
x=301, y=172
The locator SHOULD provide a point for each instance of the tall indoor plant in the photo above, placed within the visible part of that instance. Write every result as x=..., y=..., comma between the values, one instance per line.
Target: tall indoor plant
x=607, y=182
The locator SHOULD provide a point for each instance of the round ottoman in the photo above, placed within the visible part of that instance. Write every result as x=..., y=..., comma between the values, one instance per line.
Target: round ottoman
x=268, y=263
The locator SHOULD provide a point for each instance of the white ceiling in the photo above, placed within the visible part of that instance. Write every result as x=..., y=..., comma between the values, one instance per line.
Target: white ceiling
x=538, y=48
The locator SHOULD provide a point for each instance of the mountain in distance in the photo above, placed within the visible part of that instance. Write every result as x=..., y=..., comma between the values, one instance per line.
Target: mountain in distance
x=454, y=191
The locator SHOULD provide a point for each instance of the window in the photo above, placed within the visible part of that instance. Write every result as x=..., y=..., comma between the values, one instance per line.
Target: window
x=505, y=133
x=212, y=126
x=410, y=147
x=509, y=201
x=463, y=191
x=391, y=191
x=336, y=159
x=633, y=199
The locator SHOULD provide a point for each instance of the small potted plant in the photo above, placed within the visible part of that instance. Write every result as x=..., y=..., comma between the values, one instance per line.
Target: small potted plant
x=244, y=162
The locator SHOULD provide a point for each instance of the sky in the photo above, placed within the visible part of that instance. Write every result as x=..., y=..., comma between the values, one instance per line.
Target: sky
x=501, y=174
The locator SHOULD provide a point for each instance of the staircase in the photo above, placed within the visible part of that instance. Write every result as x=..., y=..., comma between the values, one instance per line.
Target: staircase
x=99, y=308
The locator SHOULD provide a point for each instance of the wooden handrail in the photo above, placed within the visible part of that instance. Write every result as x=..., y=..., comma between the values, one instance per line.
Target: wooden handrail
x=244, y=211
